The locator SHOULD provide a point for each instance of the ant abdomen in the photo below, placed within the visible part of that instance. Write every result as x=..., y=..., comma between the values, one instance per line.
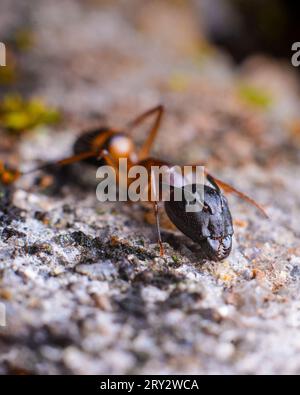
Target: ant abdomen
x=85, y=142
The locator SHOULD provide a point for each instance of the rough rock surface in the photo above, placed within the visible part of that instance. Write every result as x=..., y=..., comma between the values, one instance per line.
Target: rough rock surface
x=84, y=287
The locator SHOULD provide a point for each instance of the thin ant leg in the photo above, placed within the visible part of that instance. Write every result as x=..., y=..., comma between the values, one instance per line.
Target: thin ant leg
x=161, y=248
x=152, y=187
x=146, y=147
x=230, y=189
x=88, y=151
x=75, y=158
x=213, y=182
x=104, y=154
x=64, y=162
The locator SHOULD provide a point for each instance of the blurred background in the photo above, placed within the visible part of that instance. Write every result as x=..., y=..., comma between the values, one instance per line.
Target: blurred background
x=221, y=68
x=84, y=289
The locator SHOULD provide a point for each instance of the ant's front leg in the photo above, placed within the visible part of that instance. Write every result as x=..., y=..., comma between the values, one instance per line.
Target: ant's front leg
x=156, y=212
x=152, y=191
x=104, y=154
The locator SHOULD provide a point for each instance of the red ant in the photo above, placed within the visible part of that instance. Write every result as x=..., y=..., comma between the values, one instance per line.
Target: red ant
x=211, y=227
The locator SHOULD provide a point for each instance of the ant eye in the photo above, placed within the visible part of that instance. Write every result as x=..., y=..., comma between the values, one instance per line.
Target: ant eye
x=206, y=208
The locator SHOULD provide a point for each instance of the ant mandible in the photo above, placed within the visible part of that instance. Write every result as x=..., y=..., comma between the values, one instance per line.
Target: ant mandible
x=211, y=227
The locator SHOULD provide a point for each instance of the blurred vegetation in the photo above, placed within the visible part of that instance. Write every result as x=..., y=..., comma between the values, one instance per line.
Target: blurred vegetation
x=254, y=96
x=18, y=115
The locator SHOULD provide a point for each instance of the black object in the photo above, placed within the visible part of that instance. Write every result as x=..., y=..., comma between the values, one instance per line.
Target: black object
x=211, y=227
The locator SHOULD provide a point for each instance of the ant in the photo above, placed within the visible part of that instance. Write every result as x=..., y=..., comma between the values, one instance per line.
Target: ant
x=211, y=227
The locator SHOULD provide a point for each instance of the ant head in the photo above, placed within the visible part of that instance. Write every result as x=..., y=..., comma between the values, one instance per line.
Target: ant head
x=210, y=226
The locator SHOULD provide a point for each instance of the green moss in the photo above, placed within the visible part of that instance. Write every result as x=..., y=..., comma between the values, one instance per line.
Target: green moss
x=17, y=114
x=254, y=96
x=175, y=259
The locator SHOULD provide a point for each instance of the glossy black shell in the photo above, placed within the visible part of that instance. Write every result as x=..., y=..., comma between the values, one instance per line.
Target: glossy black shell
x=211, y=227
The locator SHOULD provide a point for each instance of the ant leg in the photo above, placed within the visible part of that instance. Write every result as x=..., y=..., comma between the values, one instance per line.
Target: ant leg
x=64, y=162
x=152, y=188
x=230, y=189
x=146, y=147
x=104, y=154
x=89, y=149
x=75, y=158
x=161, y=248
x=213, y=182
